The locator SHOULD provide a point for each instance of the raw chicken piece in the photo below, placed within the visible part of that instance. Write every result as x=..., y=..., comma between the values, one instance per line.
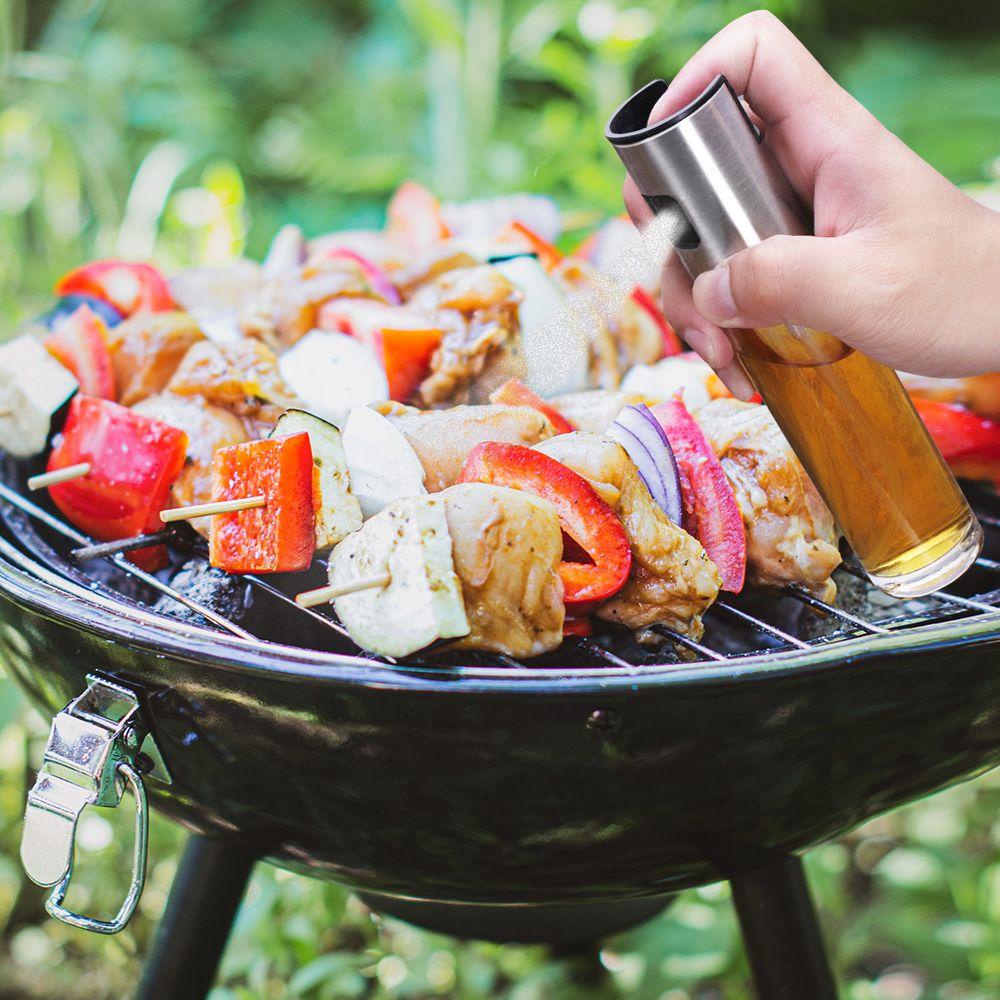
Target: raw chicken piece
x=242, y=377
x=507, y=546
x=443, y=439
x=208, y=428
x=595, y=409
x=791, y=537
x=477, y=308
x=146, y=350
x=673, y=581
x=286, y=306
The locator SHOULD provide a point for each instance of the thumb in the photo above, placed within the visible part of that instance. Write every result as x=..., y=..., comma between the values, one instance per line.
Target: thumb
x=784, y=279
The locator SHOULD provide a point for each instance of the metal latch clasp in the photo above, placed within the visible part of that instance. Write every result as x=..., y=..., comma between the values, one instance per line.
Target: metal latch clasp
x=93, y=752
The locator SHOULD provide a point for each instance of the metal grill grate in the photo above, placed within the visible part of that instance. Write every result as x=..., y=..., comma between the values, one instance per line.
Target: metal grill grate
x=755, y=622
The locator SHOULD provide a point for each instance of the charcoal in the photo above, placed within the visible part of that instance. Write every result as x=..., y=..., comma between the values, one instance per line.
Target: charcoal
x=226, y=595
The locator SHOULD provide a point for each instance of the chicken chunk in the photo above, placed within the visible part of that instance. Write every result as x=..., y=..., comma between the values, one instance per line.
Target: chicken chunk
x=673, y=581
x=594, y=410
x=286, y=306
x=507, y=546
x=146, y=350
x=208, y=428
x=443, y=439
x=241, y=377
x=477, y=308
x=791, y=537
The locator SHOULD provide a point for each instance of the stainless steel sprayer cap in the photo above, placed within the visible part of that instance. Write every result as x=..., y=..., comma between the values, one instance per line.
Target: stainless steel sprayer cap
x=706, y=169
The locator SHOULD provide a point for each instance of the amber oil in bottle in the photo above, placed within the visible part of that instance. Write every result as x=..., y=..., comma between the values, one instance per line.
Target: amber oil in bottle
x=852, y=424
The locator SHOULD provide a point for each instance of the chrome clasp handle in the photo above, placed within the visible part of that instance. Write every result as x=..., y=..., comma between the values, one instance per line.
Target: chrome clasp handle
x=94, y=751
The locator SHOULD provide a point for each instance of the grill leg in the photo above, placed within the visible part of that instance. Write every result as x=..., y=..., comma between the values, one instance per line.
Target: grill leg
x=781, y=933
x=192, y=935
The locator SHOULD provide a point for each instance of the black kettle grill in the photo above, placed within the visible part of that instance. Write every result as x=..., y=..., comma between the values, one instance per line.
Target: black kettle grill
x=555, y=801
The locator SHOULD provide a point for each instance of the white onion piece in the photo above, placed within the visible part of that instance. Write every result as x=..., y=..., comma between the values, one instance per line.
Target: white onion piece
x=640, y=434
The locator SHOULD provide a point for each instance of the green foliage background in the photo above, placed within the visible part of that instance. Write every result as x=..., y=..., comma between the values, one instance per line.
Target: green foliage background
x=188, y=130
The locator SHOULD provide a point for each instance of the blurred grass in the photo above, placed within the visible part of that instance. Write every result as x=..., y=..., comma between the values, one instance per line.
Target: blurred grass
x=188, y=130
x=910, y=905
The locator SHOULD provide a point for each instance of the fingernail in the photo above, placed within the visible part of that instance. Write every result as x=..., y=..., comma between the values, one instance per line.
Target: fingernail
x=701, y=343
x=737, y=382
x=713, y=295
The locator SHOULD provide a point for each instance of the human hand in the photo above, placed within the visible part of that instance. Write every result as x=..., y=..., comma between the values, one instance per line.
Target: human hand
x=903, y=266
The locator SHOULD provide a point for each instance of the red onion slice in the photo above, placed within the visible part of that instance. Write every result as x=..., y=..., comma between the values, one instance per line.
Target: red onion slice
x=640, y=434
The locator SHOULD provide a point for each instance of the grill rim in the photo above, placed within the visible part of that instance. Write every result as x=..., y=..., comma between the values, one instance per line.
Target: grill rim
x=34, y=588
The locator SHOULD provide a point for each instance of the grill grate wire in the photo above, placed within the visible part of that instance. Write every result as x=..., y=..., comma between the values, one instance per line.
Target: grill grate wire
x=771, y=634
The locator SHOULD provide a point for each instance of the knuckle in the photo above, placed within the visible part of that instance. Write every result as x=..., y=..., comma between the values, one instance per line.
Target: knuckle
x=762, y=21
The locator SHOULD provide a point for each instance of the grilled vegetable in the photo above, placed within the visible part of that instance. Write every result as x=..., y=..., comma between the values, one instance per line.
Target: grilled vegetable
x=280, y=536
x=331, y=372
x=338, y=512
x=382, y=464
x=671, y=343
x=408, y=541
x=129, y=287
x=556, y=351
x=70, y=303
x=33, y=386
x=379, y=281
x=685, y=375
x=133, y=462
x=515, y=393
x=80, y=342
x=969, y=443
x=636, y=430
x=717, y=521
x=405, y=340
x=583, y=515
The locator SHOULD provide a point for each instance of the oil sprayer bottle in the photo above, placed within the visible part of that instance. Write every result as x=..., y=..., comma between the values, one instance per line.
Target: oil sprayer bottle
x=707, y=172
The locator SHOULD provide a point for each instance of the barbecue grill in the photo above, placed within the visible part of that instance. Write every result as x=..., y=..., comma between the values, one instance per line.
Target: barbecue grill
x=556, y=800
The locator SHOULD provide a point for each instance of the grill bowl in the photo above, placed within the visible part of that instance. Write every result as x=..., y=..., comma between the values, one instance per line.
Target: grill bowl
x=486, y=785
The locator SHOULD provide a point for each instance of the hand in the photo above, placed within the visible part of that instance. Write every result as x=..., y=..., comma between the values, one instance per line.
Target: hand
x=903, y=266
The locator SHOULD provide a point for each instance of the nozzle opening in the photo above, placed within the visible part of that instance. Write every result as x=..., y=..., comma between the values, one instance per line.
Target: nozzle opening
x=630, y=123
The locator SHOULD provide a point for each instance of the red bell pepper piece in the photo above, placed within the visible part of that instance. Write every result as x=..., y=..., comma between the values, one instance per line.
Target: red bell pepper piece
x=515, y=393
x=549, y=256
x=578, y=625
x=133, y=463
x=406, y=357
x=80, y=343
x=718, y=523
x=583, y=515
x=403, y=339
x=280, y=536
x=969, y=443
x=671, y=342
x=380, y=282
x=130, y=287
x=413, y=218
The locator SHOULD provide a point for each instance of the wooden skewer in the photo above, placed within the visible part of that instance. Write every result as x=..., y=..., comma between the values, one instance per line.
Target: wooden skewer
x=206, y=509
x=57, y=476
x=323, y=595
